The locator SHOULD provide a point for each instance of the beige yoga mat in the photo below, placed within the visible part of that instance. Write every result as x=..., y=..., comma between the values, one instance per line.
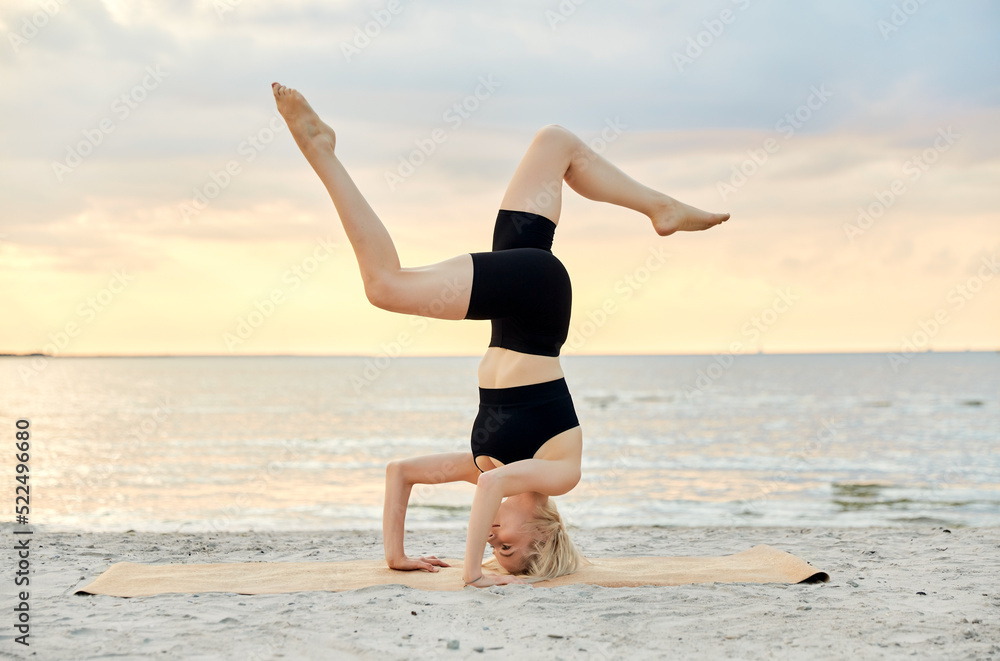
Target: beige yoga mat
x=760, y=564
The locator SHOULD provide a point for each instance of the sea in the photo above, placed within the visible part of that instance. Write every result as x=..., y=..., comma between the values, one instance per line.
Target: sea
x=203, y=444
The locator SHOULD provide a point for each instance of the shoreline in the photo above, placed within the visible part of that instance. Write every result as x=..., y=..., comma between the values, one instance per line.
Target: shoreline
x=872, y=605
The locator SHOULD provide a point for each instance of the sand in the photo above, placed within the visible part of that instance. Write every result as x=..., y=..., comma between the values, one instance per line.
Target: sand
x=919, y=592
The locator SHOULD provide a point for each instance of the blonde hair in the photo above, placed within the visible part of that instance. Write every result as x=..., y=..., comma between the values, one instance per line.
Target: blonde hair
x=552, y=552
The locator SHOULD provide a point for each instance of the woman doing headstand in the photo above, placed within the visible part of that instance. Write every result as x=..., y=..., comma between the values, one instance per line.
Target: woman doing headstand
x=526, y=440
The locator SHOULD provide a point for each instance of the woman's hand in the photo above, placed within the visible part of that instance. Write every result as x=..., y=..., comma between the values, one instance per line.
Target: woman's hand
x=423, y=563
x=497, y=579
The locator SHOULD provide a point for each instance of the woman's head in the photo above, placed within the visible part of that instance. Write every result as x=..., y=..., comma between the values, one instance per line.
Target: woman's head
x=529, y=537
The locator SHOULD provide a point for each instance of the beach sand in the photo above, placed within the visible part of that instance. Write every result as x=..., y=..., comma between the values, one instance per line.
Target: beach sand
x=920, y=592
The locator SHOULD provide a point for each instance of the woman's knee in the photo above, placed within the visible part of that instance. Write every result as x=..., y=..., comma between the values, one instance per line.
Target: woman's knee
x=560, y=140
x=382, y=291
x=554, y=133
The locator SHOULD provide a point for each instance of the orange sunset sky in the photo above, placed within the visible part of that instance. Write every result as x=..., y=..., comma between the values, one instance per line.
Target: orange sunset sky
x=153, y=202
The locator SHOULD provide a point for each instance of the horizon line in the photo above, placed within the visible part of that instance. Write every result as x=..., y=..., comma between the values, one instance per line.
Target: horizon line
x=595, y=355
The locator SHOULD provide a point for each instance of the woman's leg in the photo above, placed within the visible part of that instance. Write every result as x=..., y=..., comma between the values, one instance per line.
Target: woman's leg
x=440, y=290
x=556, y=154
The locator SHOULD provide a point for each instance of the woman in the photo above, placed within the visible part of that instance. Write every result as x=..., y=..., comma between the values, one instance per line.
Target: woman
x=526, y=441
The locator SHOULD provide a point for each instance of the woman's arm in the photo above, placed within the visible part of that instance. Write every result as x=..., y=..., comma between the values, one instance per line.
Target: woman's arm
x=485, y=504
x=400, y=476
x=552, y=478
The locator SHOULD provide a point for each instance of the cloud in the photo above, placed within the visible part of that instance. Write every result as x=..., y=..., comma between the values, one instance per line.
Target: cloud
x=687, y=127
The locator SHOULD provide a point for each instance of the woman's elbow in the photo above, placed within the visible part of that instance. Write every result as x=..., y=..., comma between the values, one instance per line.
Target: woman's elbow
x=395, y=470
x=490, y=481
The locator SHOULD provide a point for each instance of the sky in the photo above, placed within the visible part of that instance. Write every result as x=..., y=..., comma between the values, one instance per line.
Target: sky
x=155, y=204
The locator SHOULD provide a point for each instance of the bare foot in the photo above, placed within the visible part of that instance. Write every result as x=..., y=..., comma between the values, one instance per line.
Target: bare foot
x=309, y=131
x=674, y=216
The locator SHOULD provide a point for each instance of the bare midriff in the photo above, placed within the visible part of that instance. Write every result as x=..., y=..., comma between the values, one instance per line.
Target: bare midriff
x=503, y=368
